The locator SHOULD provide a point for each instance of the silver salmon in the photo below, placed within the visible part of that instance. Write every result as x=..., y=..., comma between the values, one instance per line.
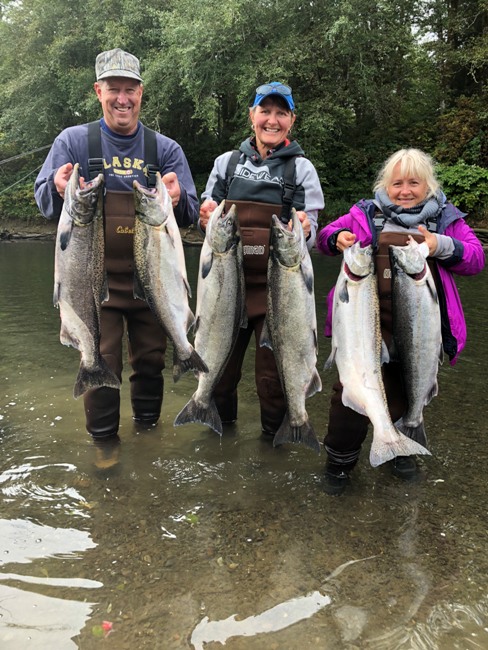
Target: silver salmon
x=416, y=332
x=290, y=328
x=79, y=280
x=358, y=350
x=220, y=312
x=160, y=275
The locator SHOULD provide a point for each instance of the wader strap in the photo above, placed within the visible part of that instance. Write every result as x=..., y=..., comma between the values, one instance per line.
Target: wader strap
x=289, y=187
x=231, y=168
x=95, y=158
x=150, y=156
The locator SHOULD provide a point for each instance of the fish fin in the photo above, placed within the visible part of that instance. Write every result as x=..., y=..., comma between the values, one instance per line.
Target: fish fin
x=194, y=412
x=104, y=295
x=303, y=434
x=66, y=338
x=385, y=355
x=206, y=265
x=244, y=321
x=138, y=288
x=65, y=230
x=93, y=378
x=402, y=446
x=415, y=433
x=188, y=288
x=393, y=351
x=432, y=288
x=315, y=385
x=307, y=274
x=330, y=361
x=56, y=292
x=265, y=340
x=169, y=232
x=343, y=292
x=432, y=393
x=194, y=362
x=190, y=320
x=347, y=401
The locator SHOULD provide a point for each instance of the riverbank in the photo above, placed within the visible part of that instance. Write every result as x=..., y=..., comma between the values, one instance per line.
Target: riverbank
x=15, y=229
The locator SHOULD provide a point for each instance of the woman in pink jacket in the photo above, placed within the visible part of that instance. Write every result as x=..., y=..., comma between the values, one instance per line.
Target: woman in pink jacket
x=408, y=201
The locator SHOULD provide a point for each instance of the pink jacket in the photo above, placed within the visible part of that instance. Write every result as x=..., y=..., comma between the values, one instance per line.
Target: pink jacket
x=468, y=259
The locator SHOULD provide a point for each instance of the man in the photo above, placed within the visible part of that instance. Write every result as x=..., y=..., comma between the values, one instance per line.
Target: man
x=124, y=150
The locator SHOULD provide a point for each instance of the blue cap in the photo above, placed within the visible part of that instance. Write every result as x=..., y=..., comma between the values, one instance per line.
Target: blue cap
x=274, y=88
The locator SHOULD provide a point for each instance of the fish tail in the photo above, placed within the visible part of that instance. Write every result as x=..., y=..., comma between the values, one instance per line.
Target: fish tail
x=96, y=377
x=195, y=412
x=415, y=433
x=401, y=446
x=194, y=362
x=303, y=434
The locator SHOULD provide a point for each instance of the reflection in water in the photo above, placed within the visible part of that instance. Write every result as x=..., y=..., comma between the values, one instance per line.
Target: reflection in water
x=276, y=618
x=29, y=620
x=78, y=583
x=195, y=528
x=23, y=541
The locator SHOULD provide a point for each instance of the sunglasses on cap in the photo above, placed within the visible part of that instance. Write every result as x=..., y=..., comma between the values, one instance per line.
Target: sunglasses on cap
x=273, y=88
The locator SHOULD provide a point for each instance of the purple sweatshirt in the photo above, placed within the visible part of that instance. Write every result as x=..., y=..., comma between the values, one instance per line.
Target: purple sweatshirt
x=468, y=259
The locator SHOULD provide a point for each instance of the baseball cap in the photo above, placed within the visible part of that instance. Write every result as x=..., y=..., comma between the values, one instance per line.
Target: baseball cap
x=117, y=63
x=274, y=88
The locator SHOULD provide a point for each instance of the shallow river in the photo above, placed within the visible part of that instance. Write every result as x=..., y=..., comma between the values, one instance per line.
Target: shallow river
x=198, y=541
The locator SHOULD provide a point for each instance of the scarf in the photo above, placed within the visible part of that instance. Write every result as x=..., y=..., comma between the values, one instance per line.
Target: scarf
x=409, y=217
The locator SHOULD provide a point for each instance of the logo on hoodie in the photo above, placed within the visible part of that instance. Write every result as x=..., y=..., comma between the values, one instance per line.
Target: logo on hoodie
x=252, y=173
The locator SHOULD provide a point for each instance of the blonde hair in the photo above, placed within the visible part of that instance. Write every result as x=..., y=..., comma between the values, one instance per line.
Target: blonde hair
x=413, y=163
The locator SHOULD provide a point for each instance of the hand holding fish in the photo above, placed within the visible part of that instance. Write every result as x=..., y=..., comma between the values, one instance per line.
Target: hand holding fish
x=304, y=221
x=430, y=239
x=345, y=239
x=170, y=181
x=62, y=176
x=206, y=210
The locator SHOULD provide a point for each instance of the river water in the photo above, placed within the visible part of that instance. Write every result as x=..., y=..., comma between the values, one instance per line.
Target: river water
x=199, y=542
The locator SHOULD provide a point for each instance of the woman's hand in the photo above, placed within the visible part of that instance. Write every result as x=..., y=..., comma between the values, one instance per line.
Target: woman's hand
x=345, y=239
x=206, y=209
x=304, y=220
x=430, y=239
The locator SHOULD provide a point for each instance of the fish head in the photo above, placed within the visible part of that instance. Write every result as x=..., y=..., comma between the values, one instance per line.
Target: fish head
x=409, y=259
x=222, y=232
x=358, y=262
x=286, y=244
x=152, y=204
x=81, y=202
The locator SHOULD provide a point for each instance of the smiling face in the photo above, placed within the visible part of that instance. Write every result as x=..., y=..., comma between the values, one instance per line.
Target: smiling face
x=406, y=190
x=271, y=122
x=120, y=98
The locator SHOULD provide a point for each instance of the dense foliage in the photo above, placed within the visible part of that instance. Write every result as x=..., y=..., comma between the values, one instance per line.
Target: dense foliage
x=369, y=76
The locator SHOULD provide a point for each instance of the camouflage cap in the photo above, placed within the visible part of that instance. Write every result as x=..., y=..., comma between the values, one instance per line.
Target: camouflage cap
x=117, y=63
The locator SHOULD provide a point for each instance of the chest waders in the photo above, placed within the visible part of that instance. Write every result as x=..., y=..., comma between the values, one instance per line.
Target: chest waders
x=347, y=429
x=122, y=313
x=254, y=226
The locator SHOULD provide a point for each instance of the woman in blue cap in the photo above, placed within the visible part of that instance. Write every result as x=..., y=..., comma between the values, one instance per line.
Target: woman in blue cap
x=268, y=175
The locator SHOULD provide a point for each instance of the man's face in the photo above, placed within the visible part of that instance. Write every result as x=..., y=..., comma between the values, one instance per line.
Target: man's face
x=120, y=98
